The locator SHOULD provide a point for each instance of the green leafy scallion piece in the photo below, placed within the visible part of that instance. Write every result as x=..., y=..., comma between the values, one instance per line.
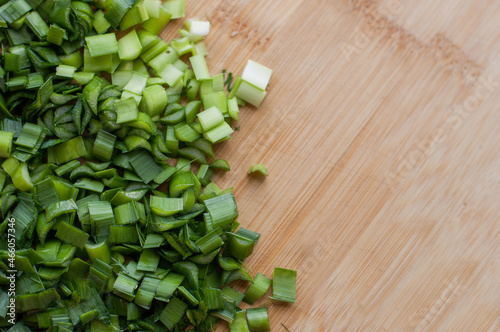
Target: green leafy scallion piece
x=222, y=209
x=145, y=166
x=168, y=286
x=164, y=206
x=284, y=285
x=101, y=217
x=6, y=139
x=126, y=110
x=104, y=145
x=173, y=312
x=258, y=319
x=239, y=323
x=257, y=289
x=210, y=242
x=59, y=208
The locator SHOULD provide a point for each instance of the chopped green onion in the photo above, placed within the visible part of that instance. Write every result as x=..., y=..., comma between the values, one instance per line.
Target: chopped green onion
x=154, y=100
x=218, y=133
x=240, y=247
x=145, y=225
x=184, y=133
x=212, y=298
x=37, y=25
x=125, y=287
x=199, y=67
x=222, y=210
x=239, y=323
x=148, y=261
x=145, y=166
x=98, y=251
x=210, y=242
x=168, y=286
x=135, y=15
x=284, y=285
x=123, y=234
x=217, y=99
x=156, y=25
x=257, y=289
x=100, y=23
x=57, y=209
x=210, y=118
x=232, y=107
x=71, y=235
x=116, y=10
x=91, y=185
x=14, y=10
x=173, y=312
x=250, y=93
x=220, y=164
x=196, y=27
x=152, y=7
x=146, y=292
x=83, y=77
x=65, y=71
x=97, y=63
x=66, y=168
x=257, y=74
x=103, y=145
x=69, y=150
x=101, y=217
x=258, y=320
x=171, y=75
x=102, y=44
x=126, y=110
x=175, y=7
x=6, y=143
x=258, y=168
x=232, y=295
x=129, y=46
x=164, y=206
x=137, y=83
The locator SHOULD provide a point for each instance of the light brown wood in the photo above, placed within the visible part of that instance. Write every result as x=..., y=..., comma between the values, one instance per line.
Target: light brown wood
x=380, y=132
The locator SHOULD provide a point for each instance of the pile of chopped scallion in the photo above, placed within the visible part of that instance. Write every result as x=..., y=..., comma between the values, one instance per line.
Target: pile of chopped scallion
x=100, y=231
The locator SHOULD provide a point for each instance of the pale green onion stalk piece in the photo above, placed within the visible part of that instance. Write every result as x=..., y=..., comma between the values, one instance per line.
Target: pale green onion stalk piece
x=197, y=27
x=257, y=74
x=177, y=8
x=210, y=118
x=126, y=110
x=100, y=23
x=200, y=67
x=258, y=168
x=129, y=46
x=249, y=93
x=102, y=44
x=65, y=71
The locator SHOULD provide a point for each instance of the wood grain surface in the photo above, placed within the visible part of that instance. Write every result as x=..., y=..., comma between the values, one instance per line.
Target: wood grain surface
x=381, y=135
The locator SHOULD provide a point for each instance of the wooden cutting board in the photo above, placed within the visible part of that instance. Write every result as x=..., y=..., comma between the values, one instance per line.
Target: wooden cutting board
x=381, y=135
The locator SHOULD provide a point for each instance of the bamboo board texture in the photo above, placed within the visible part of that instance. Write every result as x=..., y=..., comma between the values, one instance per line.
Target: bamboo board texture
x=380, y=133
